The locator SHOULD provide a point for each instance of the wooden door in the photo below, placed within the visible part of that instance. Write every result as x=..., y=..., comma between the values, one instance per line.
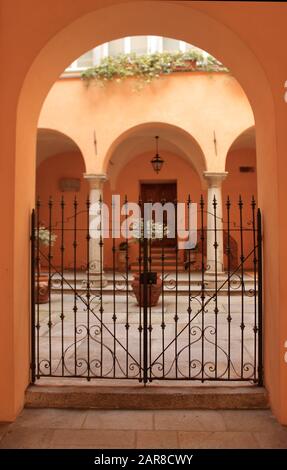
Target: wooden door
x=158, y=192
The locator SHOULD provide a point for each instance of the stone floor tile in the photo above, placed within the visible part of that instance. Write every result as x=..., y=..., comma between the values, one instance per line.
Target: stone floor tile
x=249, y=420
x=4, y=427
x=91, y=438
x=23, y=438
x=192, y=420
x=272, y=440
x=51, y=418
x=130, y=420
x=217, y=440
x=157, y=440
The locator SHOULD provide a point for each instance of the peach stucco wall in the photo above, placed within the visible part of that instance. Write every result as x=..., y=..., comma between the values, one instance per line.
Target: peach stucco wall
x=49, y=173
x=201, y=104
x=40, y=39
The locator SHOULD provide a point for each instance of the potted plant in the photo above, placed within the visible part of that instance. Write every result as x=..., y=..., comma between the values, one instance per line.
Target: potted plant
x=122, y=256
x=152, y=231
x=43, y=237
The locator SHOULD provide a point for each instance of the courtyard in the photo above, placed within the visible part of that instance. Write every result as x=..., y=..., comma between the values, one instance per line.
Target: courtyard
x=101, y=336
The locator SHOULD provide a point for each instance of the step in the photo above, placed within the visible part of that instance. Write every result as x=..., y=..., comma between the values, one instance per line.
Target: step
x=159, y=263
x=184, y=285
x=152, y=397
x=158, y=267
x=165, y=250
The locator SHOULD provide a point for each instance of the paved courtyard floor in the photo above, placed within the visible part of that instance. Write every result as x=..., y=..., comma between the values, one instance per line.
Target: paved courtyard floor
x=184, y=340
x=92, y=429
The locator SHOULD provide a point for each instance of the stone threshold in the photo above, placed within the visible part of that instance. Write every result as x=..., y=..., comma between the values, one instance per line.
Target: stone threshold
x=146, y=398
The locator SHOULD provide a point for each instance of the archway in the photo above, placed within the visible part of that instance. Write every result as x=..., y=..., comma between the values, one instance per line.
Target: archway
x=59, y=174
x=241, y=166
x=172, y=139
x=197, y=28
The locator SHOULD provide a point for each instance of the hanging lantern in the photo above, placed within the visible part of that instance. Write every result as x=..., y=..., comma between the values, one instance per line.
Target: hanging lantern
x=157, y=161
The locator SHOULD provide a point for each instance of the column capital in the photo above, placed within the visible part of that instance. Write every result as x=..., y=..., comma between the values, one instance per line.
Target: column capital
x=96, y=181
x=214, y=179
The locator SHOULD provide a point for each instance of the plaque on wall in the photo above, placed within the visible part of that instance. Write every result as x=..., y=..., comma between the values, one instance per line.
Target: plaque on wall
x=70, y=184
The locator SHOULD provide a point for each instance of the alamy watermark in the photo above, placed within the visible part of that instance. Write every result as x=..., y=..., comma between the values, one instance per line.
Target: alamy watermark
x=148, y=220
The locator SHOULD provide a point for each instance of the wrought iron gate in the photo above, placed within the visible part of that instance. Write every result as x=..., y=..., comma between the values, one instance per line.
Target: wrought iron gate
x=100, y=323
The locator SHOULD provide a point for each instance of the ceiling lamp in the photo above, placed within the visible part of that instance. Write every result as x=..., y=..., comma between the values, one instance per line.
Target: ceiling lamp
x=157, y=161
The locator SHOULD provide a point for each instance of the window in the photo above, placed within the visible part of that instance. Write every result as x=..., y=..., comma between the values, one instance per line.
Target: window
x=170, y=45
x=86, y=60
x=139, y=44
x=117, y=47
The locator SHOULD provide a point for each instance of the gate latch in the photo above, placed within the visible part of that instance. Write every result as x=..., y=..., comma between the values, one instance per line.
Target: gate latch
x=149, y=277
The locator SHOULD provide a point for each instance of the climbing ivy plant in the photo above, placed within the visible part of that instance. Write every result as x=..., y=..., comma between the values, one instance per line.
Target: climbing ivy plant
x=145, y=68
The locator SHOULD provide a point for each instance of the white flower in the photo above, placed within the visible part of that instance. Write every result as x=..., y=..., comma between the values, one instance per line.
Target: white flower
x=150, y=229
x=44, y=236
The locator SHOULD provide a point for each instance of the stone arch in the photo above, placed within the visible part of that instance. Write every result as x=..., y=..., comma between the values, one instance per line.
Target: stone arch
x=53, y=142
x=80, y=36
x=122, y=149
x=170, y=19
x=246, y=138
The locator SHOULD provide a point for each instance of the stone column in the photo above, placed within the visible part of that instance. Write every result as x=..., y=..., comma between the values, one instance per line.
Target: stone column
x=214, y=181
x=96, y=258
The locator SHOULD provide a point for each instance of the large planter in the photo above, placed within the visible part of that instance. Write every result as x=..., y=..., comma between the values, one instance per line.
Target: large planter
x=121, y=260
x=154, y=291
x=41, y=289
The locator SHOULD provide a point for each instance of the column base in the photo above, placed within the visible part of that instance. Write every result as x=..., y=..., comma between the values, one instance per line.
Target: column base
x=97, y=280
x=214, y=279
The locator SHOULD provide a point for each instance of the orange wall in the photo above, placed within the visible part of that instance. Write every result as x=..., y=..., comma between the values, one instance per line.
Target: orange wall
x=45, y=37
x=245, y=185
x=240, y=183
x=199, y=103
x=49, y=173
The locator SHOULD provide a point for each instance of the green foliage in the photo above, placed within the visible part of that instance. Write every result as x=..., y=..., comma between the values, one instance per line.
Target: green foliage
x=148, y=67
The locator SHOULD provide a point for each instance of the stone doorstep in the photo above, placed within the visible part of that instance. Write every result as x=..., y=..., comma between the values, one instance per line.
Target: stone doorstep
x=146, y=398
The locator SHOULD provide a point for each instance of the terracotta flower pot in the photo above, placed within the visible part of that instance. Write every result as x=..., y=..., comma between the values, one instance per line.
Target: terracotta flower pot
x=121, y=260
x=154, y=291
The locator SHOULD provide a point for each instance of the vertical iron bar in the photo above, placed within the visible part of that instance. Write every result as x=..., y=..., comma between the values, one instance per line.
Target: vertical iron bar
x=242, y=326
x=260, y=300
x=114, y=318
x=150, y=301
x=140, y=327
x=176, y=294
x=38, y=205
x=202, y=238
x=145, y=307
x=162, y=303
x=255, y=327
x=127, y=326
x=75, y=308
x=88, y=238
x=33, y=309
x=228, y=205
x=49, y=283
x=216, y=284
x=101, y=244
x=62, y=316
x=189, y=310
